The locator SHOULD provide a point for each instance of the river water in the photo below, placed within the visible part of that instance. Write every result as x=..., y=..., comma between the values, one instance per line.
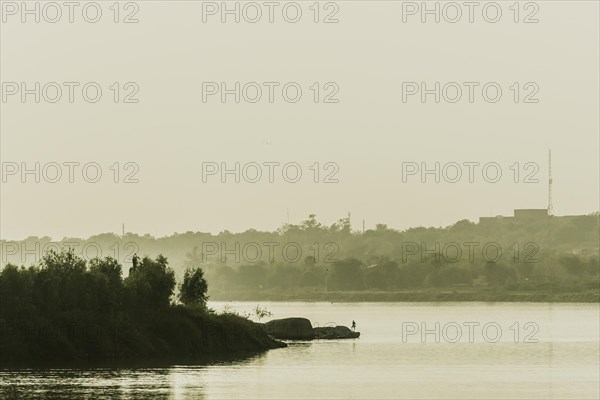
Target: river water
x=406, y=350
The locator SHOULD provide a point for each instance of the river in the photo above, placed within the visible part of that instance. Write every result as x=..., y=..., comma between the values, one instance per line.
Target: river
x=406, y=350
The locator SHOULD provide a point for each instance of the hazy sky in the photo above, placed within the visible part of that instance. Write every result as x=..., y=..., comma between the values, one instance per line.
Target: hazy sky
x=369, y=133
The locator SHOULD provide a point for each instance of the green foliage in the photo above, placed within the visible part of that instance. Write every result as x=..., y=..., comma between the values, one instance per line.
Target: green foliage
x=573, y=264
x=194, y=288
x=449, y=275
x=67, y=309
x=382, y=276
x=554, y=254
x=16, y=291
x=149, y=287
x=262, y=312
x=500, y=275
x=346, y=275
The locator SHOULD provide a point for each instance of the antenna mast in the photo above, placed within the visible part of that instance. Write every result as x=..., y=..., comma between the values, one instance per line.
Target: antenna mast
x=550, y=206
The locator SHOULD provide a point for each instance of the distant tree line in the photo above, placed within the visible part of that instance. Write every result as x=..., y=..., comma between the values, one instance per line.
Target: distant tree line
x=556, y=253
x=565, y=272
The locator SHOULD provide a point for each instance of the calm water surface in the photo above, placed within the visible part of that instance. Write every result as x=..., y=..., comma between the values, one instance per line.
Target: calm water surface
x=527, y=350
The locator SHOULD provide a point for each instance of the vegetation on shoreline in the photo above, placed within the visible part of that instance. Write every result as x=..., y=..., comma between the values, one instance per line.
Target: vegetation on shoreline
x=412, y=296
x=554, y=258
x=68, y=310
x=551, y=260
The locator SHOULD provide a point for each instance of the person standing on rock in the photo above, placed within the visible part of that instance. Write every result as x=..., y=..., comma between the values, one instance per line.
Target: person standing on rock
x=353, y=325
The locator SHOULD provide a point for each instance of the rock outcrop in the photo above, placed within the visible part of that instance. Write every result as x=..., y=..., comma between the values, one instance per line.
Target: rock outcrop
x=337, y=332
x=301, y=329
x=290, y=329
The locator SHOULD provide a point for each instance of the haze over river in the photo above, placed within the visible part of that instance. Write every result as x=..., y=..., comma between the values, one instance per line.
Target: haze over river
x=478, y=350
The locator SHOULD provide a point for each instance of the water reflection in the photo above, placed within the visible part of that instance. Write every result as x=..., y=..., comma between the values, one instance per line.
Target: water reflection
x=83, y=384
x=563, y=364
x=134, y=380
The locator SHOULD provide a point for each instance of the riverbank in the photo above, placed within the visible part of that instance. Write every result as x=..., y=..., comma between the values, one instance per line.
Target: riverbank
x=409, y=296
x=178, y=335
x=69, y=311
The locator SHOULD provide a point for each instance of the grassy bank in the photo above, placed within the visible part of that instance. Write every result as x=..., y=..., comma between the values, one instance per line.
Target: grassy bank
x=69, y=311
x=175, y=334
x=409, y=296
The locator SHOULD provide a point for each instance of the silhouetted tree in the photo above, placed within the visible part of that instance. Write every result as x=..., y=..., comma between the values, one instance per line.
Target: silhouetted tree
x=192, y=291
x=150, y=286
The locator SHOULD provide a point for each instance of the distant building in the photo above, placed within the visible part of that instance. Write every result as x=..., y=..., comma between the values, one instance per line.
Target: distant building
x=531, y=214
x=520, y=215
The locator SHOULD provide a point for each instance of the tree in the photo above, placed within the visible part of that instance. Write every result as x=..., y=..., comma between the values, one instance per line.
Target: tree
x=194, y=257
x=448, y=275
x=251, y=276
x=382, y=276
x=499, y=275
x=150, y=286
x=346, y=275
x=573, y=264
x=16, y=286
x=309, y=261
x=381, y=227
x=60, y=283
x=192, y=291
x=106, y=277
x=593, y=266
x=342, y=225
x=311, y=223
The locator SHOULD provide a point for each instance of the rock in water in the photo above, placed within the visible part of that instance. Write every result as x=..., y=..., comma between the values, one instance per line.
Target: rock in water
x=338, y=332
x=290, y=329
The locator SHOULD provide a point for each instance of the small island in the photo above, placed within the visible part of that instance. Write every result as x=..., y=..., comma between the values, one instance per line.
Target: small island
x=298, y=328
x=66, y=310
